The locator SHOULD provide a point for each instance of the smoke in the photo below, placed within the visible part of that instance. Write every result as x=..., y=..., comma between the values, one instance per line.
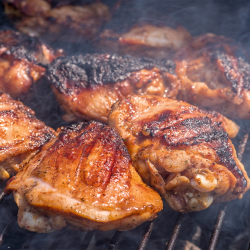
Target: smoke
x=227, y=18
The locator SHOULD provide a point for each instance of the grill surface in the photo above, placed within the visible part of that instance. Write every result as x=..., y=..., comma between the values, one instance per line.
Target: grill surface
x=170, y=228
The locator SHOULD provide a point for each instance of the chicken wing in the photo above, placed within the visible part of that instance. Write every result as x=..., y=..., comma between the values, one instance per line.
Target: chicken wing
x=159, y=42
x=21, y=135
x=21, y=57
x=180, y=150
x=214, y=73
x=83, y=178
x=87, y=86
x=42, y=18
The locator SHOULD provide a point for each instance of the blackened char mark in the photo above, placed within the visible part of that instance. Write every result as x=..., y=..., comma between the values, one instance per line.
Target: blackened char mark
x=99, y=69
x=19, y=46
x=235, y=63
x=200, y=130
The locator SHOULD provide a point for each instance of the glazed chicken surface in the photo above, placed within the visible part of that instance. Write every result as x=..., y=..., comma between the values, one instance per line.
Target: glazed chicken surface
x=45, y=18
x=214, y=73
x=180, y=150
x=21, y=135
x=83, y=178
x=21, y=57
x=87, y=86
x=159, y=42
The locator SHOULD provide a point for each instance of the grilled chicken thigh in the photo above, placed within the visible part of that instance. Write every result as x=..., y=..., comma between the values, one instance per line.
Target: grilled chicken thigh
x=214, y=73
x=83, y=178
x=159, y=42
x=87, y=86
x=21, y=135
x=20, y=62
x=40, y=17
x=180, y=150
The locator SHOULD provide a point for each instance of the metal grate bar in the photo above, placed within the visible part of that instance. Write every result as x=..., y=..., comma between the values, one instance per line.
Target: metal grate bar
x=5, y=228
x=176, y=231
x=146, y=236
x=242, y=146
x=2, y=195
x=115, y=240
x=26, y=244
x=217, y=227
x=222, y=211
x=87, y=239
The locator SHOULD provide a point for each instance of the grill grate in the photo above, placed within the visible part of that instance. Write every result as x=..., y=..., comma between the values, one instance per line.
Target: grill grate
x=60, y=240
x=115, y=240
x=146, y=236
x=176, y=231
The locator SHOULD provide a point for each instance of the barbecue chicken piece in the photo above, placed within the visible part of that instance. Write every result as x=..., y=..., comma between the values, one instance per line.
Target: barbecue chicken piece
x=180, y=150
x=87, y=86
x=83, y=178
x=20, y=62
x=148, y=40
x=40, y=17
x=21, y=135
x=214, y=73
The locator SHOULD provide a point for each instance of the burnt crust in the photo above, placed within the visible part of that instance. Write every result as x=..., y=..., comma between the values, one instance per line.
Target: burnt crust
x=19, y=46
x=195, y=131
x=236, y=69
x=99, y=69
x=231, y=57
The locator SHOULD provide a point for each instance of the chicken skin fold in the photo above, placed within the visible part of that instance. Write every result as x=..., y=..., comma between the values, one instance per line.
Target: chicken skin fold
x=21, y=60
x=180, y=150
x=21, y=135
x=214, y=73
x=83, y=178
x=146, y=40
x=87, y=86
x=66, y=20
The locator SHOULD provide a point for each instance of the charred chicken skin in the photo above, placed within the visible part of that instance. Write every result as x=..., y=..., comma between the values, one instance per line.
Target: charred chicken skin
x=21, y=57
x=159, y=42
x=21, y=135
x=41, y=17
x=87, y=86
x=214, y=73
x=83, y=178
x=180, y=150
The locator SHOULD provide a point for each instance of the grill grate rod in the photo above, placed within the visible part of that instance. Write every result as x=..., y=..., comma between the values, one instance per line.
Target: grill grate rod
x=242, y=146
x=5, y=228
x=115, y=240
x=217, y=226
x=222, y=211
x=26, y=244
x=176, y=231
x=87, y=240
x=146, y=236
x=2, y=195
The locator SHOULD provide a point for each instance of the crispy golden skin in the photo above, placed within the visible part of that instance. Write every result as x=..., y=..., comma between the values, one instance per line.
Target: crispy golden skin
x=83, y=178
x=41, y=18
x=159, y=42
x=87, y=86
x=20, y=62
x=180, y=150
x=214, y=73
x=21, y=135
